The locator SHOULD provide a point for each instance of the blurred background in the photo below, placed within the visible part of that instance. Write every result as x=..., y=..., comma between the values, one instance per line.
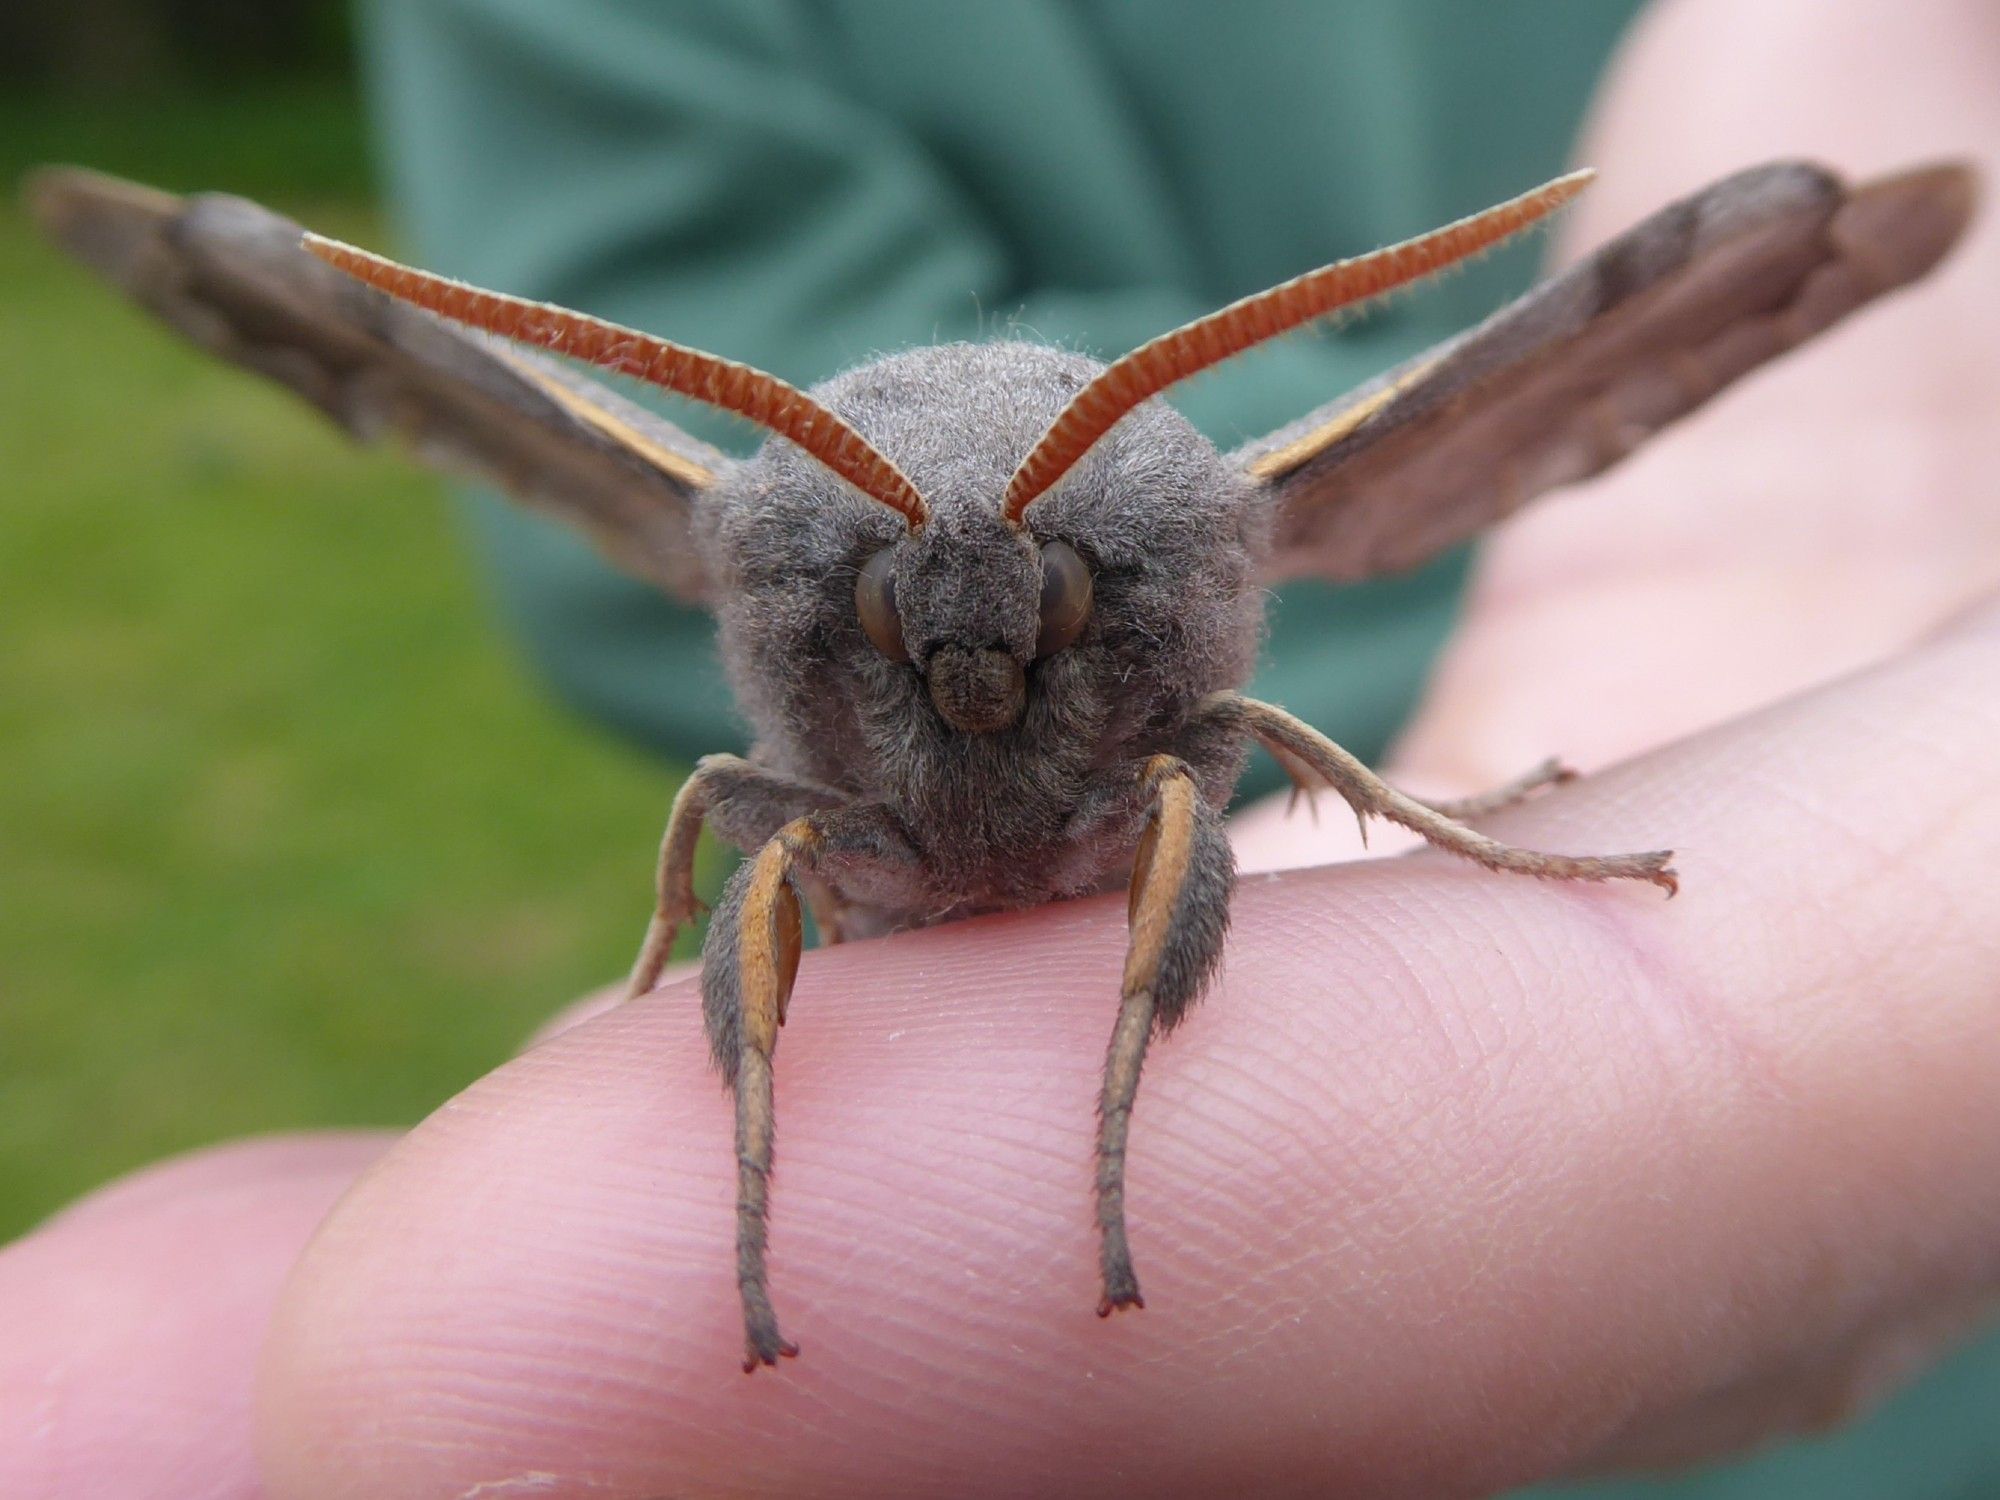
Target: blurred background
x=286, y=835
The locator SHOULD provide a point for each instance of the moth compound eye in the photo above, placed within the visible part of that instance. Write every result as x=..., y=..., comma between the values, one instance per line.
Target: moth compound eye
x=1065, y=598
x=875, y=602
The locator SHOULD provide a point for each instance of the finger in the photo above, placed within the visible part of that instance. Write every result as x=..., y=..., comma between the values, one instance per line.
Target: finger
x=1453, y=1181
x=133, y=1320
x=598, y=1001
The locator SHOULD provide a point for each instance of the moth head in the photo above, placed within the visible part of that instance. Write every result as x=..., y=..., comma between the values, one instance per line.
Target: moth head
x=1029, y=636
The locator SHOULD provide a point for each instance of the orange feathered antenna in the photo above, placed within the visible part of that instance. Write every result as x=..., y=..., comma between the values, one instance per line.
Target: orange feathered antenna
x=1172, y=357
x=763, y=399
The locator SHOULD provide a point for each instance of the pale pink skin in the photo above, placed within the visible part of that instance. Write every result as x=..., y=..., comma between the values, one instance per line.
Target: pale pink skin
x=130, y=1323
x=1455, y=1181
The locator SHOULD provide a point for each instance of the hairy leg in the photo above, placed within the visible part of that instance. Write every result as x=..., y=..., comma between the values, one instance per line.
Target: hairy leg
x=748, y=967
x=747, y=804
x=1178, y=910
x=1296, y=744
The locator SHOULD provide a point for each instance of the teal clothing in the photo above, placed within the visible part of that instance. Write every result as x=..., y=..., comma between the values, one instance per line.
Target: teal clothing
x=800, y=184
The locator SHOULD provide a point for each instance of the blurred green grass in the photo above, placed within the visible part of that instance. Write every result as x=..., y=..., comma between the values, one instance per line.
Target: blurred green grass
x=286, y=837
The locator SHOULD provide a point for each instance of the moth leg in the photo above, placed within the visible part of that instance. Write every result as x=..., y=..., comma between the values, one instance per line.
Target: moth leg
x=1177, y=912
x=1291, y=739
x=675, y=903
x=1306, y=786
x=748, y=804
x=1304, y=789
x=1550, y=772
x=748, y=966
x=750, y=962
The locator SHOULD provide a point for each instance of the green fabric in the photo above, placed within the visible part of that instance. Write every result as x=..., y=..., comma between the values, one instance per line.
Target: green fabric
x=800, y=185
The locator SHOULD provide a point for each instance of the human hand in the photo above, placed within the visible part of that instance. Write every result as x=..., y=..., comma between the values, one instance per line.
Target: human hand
x=1455, y=1181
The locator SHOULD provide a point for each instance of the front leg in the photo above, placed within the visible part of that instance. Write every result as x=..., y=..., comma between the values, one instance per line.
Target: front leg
x=1177, y=911
x=1303, y=750
x=748, y=966
x=747, y=804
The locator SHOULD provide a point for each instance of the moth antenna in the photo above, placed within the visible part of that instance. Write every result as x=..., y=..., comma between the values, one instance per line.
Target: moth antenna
x=750, y=393
x=1188, y=350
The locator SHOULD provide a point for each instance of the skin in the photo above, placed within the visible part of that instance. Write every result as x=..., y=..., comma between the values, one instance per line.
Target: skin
x=1788, y=1079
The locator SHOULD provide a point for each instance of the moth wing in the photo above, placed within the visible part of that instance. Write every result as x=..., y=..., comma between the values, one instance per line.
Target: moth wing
x=1562, y=383
x=231, y=276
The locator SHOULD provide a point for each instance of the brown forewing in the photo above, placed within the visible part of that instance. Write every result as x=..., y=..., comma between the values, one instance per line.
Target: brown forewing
x=1567, y=380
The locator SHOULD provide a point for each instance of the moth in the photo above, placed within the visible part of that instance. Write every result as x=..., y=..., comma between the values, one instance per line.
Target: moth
x=988, y=607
